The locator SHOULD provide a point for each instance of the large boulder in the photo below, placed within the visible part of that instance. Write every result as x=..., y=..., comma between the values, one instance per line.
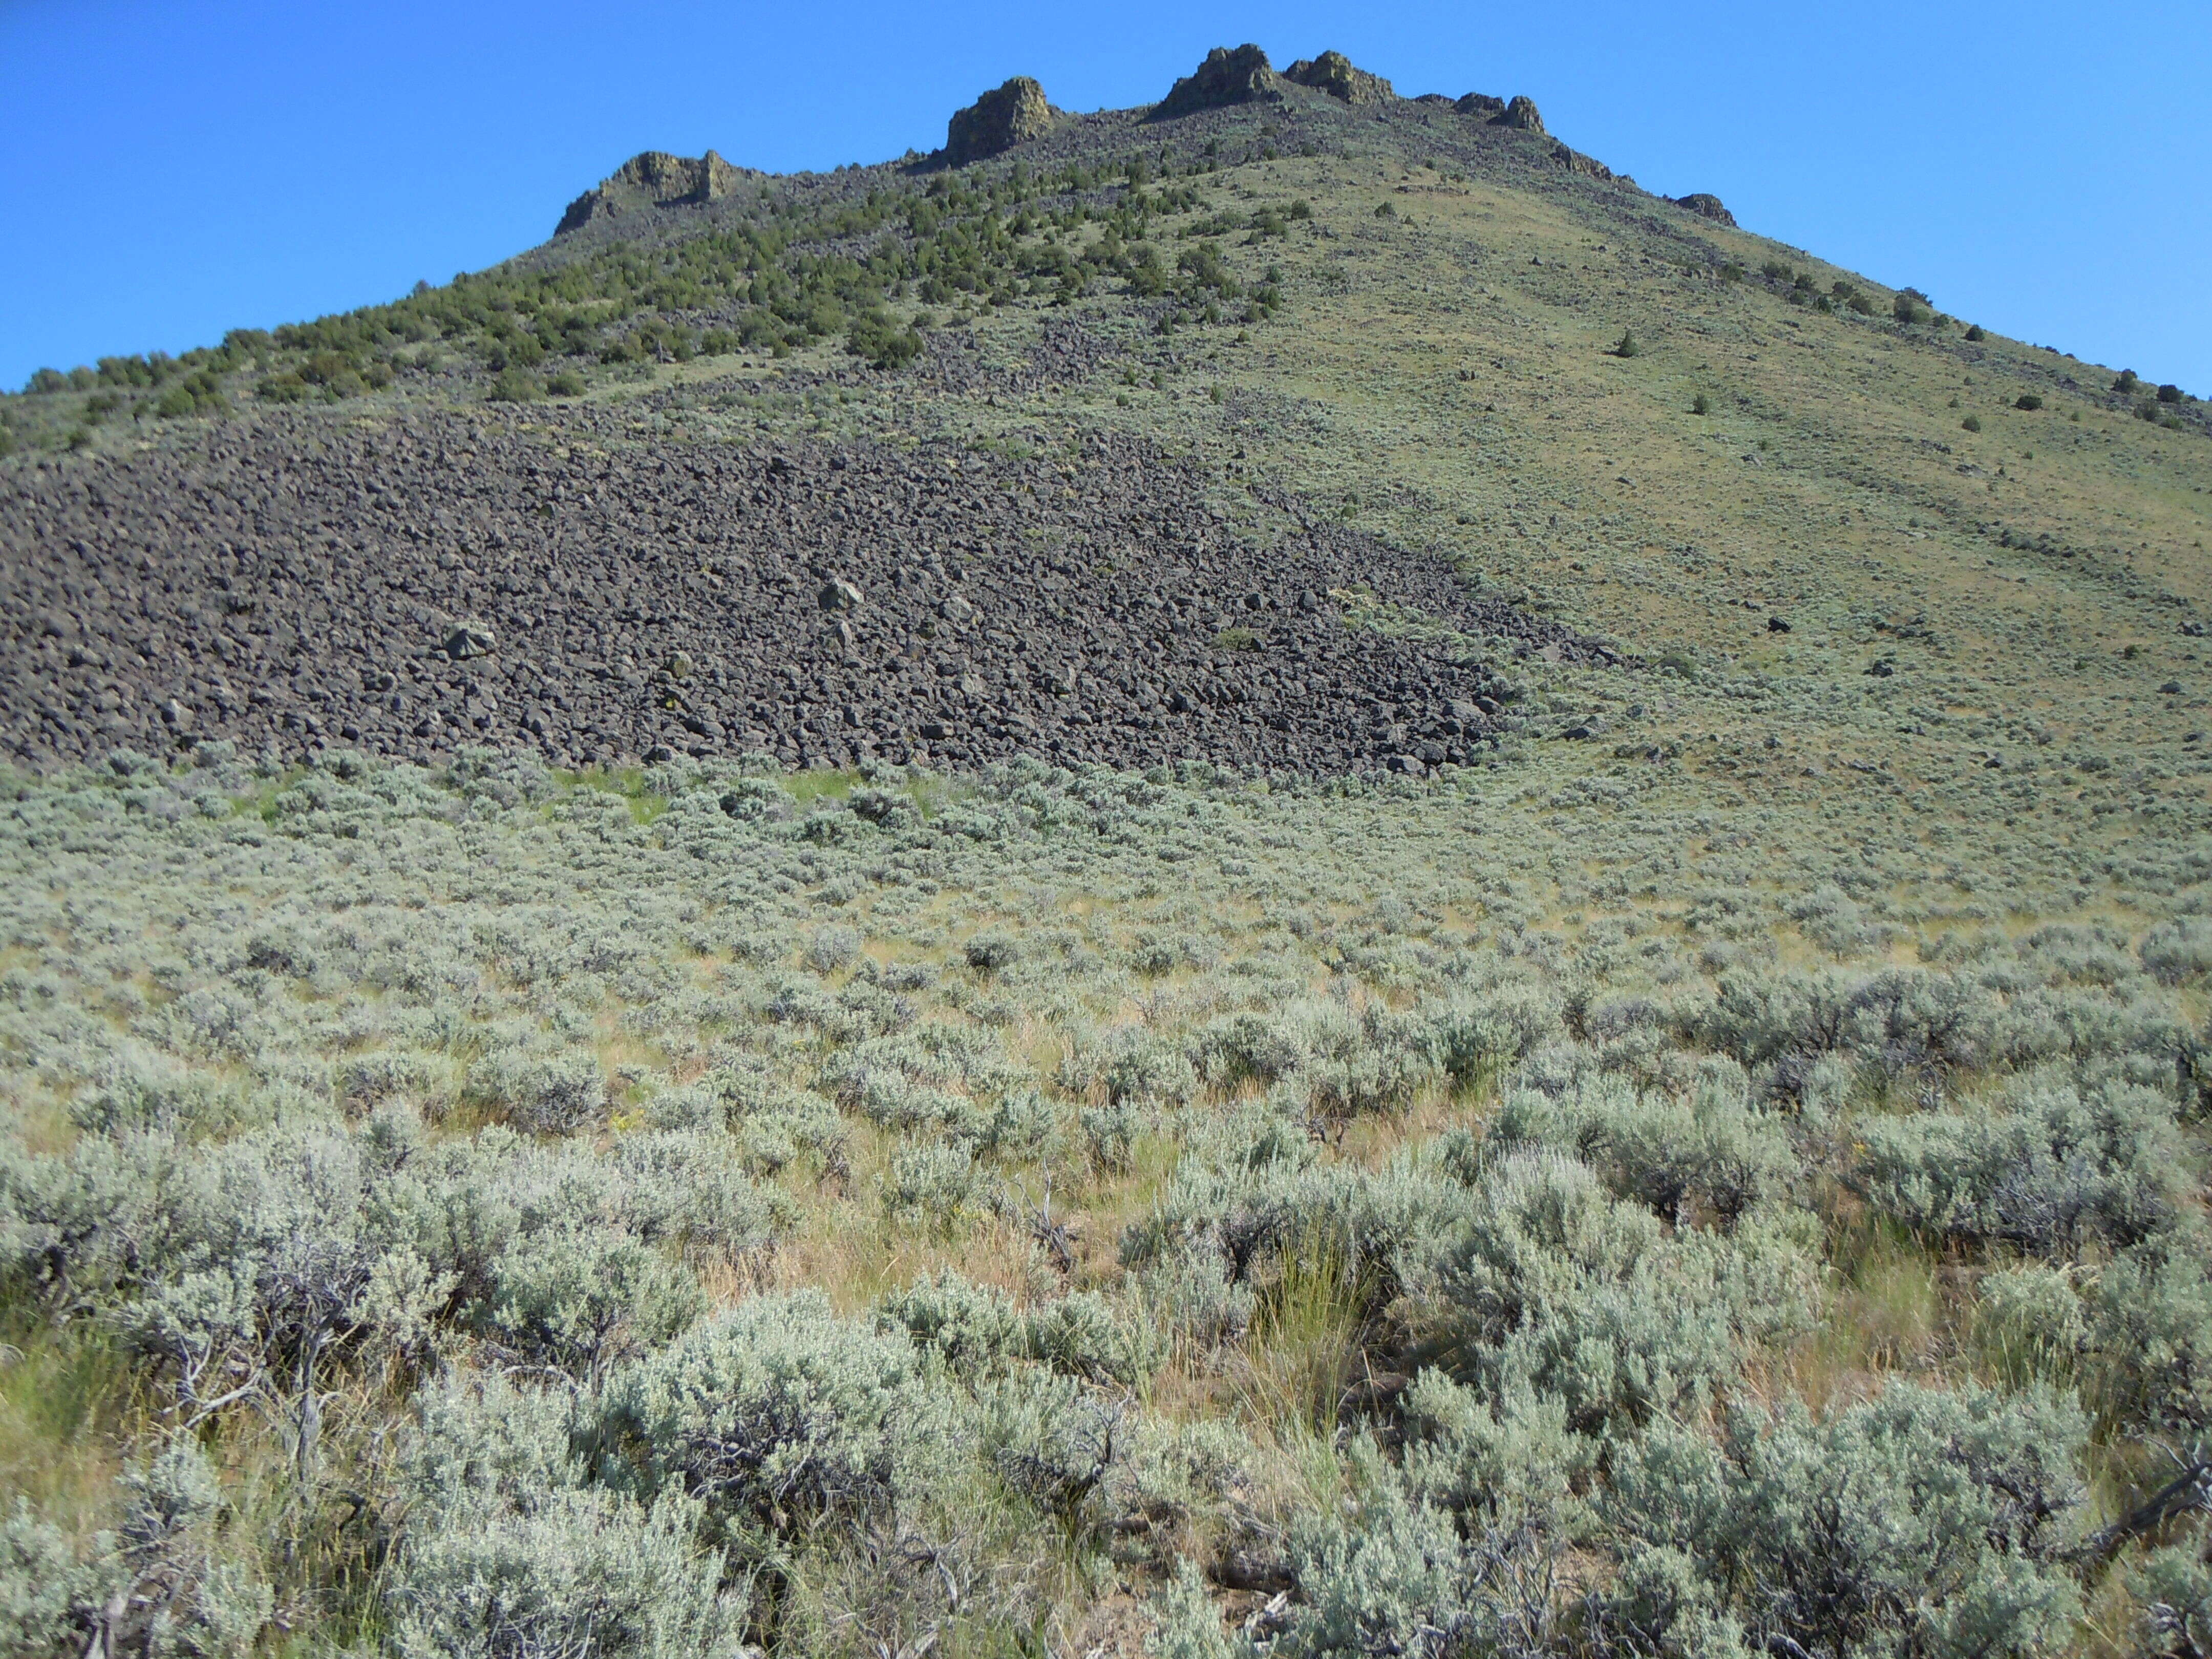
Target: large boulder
x=1705, y=205
x=654, y=178
x=1226, y=77
x=1334, y=73
x=1480, y=104
x=1521, y=114
x=996, y=122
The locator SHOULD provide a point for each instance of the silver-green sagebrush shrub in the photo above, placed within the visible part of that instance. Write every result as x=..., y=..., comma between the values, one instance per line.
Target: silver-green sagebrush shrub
x=974, y=1329
x=194, y=1602
x=579, y=1571
x=1510, y=1461
x=1552, y=1288
x=1186, y=1622
x=2055, y=1167
x=1400, y=1576
x=933, y=1183
x=50, y=1598
x=1054, y=1442
x=509, y=1549
x=1712, y=1151
x=777, y=1413
x=684, y=1187
x=1375, y=1060
x=2150, y=1321
x=543, y=1094
x=2173, y=1589
x=2179, y=952
x=1923, y=1520
x=578, y=1298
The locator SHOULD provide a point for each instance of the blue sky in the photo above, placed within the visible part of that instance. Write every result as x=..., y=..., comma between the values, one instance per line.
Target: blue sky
x=168, y=171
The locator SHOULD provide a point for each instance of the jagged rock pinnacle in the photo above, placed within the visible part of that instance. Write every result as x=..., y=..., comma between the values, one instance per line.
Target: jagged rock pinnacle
x=996, y=122
x=1334, y=74
x=1226, y=77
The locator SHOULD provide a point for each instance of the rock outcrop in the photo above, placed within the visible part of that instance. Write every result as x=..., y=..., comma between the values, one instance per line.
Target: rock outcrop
x=1706, y=206
x=1575, y=161
x=1242, y=76
x=996, y=122
x=1522, y=115
x=655, y=179
x=1481, y=104
x=1334, y=74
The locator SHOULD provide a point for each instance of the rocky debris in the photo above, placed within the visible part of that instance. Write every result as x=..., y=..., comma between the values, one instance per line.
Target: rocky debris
x=1334, y=73
x=289, y=584
x=1002, y=118
x=1481, y=104
x=1521, y=114
x=1226, y=77
x=654, y=178
x=1705, y=205
x=470, y=639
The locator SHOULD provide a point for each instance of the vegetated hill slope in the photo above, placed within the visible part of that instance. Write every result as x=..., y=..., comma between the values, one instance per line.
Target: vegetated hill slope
x=1655, y=1107
x=1424, y=356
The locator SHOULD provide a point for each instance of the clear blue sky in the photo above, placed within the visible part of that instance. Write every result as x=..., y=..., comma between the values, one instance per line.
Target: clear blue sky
x=168, y=171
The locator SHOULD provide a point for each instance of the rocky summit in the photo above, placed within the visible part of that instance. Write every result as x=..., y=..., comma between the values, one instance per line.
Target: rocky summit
x=1225, y=78
x=1006, y=116
x=1270, y=877
x=1334, y=73
x=653, y=179
x=1521, y=114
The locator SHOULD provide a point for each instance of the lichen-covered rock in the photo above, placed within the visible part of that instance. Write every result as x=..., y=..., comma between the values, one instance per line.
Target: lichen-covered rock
x=1226, y=77
x=1334, y=73
x=1521, y=114
x=1705, y=205
x=1002, y=118
x=654, y=178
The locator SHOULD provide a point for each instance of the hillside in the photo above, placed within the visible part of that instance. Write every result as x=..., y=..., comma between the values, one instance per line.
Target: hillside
x=1267, y=875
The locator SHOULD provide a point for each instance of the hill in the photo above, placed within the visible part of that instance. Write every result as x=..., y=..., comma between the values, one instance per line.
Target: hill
x=1268, y=874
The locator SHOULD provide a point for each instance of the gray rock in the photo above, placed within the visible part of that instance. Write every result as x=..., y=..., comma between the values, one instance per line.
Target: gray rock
x=1706, y=205
x=838, y=594
x=468, y=638
x=1332, y=73
x=1521, y=114
x=1226, y=77
x=1002, y=118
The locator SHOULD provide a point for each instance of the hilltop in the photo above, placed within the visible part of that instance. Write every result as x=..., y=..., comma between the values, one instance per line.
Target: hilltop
x=1273, y=875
